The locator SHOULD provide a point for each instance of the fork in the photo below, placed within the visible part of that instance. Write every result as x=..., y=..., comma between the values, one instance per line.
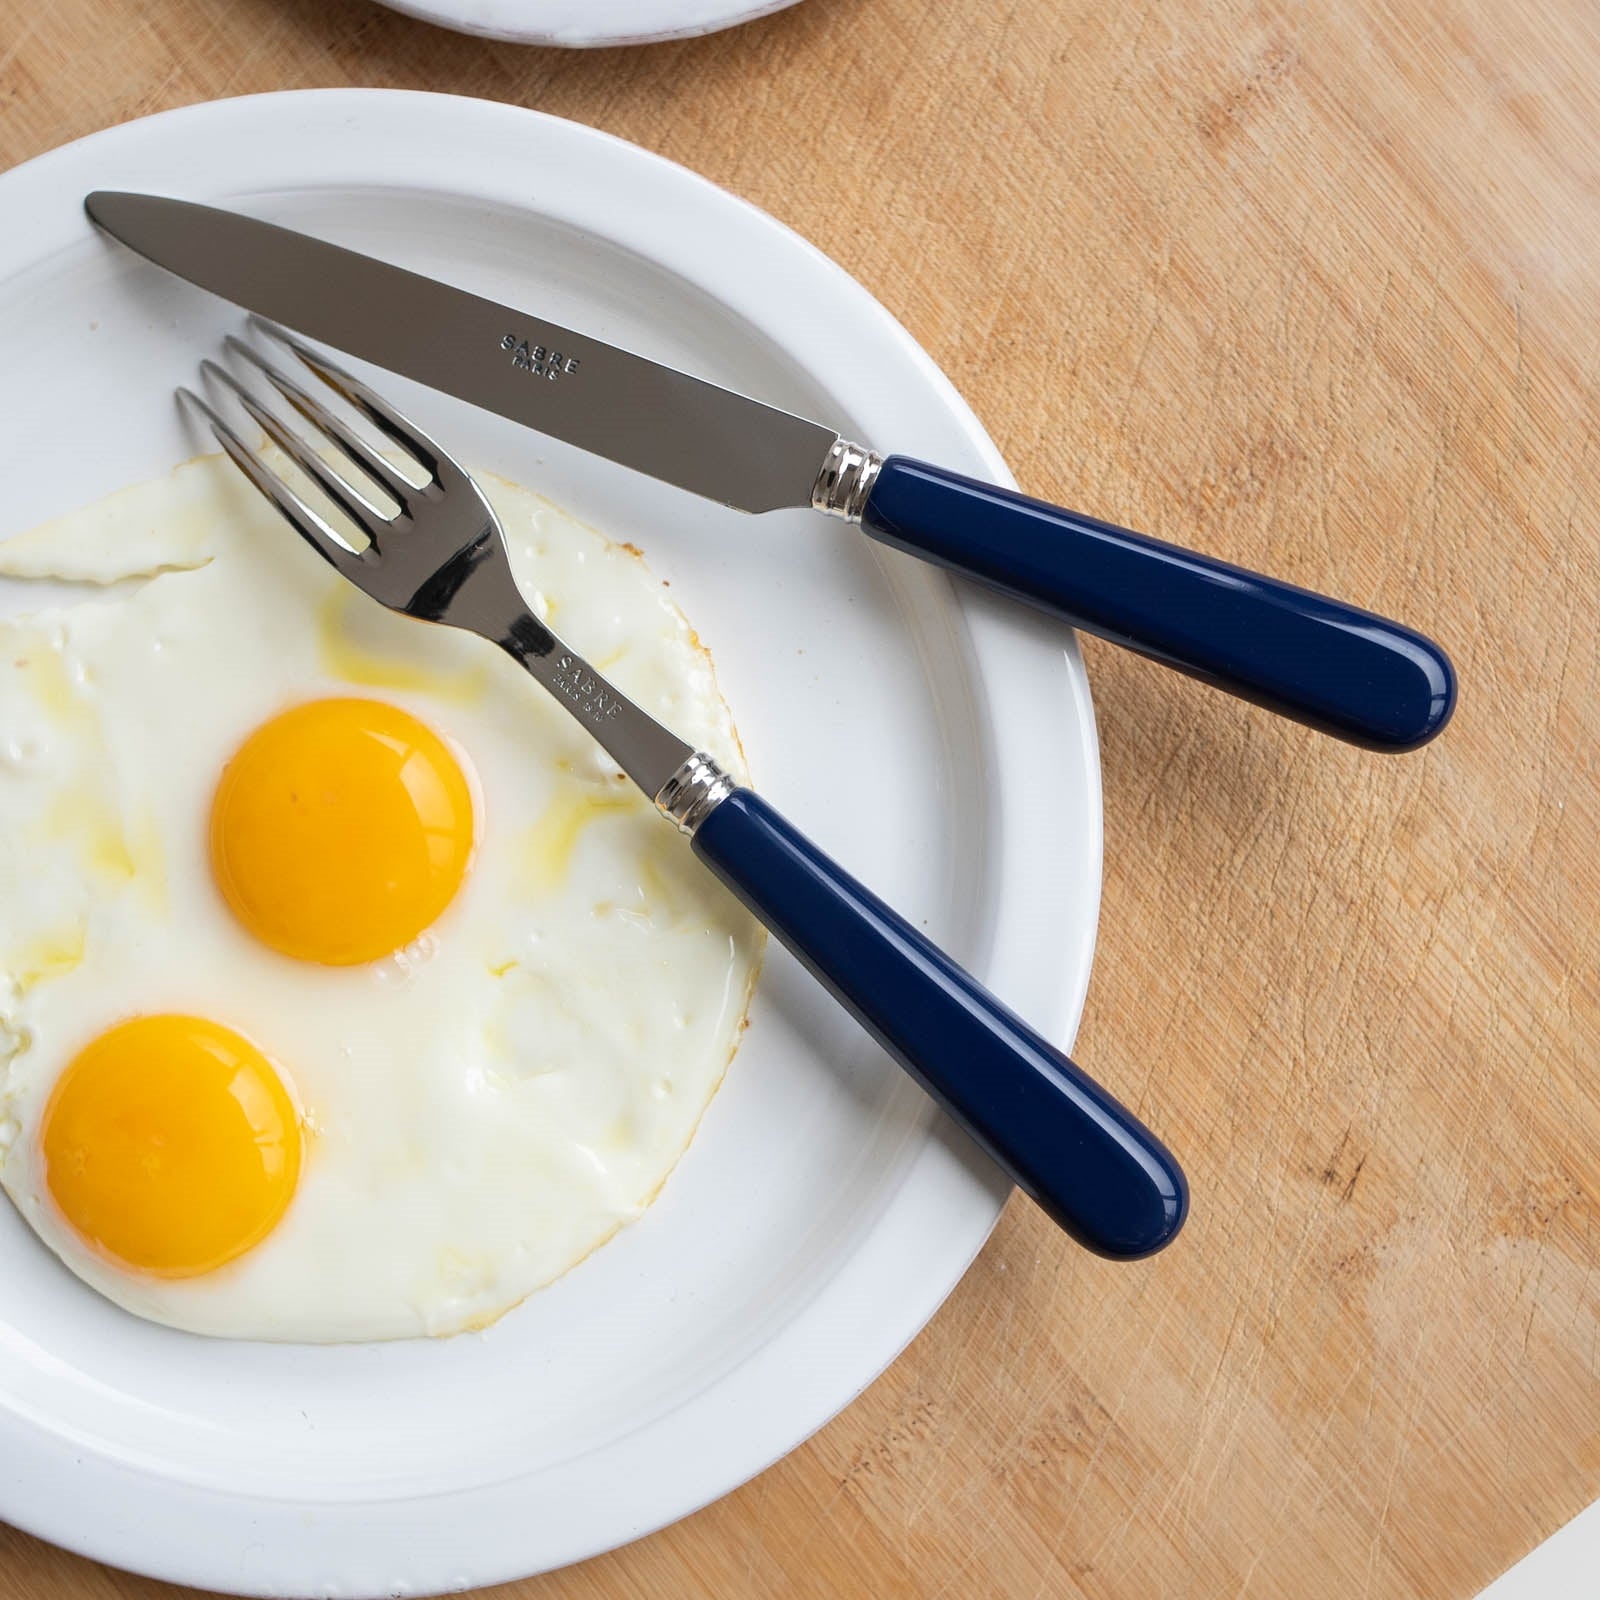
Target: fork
x=440, y=556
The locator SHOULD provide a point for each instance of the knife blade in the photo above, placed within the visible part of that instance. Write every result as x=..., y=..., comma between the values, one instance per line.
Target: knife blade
x=667, y=424
x=1333, y=666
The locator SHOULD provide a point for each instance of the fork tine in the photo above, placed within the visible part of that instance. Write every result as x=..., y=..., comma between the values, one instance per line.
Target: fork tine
x=301, y=517
x=361, y=511
x=380, y=470
x=376, y=410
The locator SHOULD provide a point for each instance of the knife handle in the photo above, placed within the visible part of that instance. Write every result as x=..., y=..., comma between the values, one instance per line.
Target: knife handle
x=1086, y=1159
x=1332, y=666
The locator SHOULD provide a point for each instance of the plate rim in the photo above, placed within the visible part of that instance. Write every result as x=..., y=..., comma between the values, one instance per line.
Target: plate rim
x=188, y=1541
x=678, y=19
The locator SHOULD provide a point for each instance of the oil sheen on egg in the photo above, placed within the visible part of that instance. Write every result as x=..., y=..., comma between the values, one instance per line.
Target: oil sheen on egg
x=227, y=1102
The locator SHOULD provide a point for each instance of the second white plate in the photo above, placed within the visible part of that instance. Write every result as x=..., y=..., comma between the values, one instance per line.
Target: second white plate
x=586, y=23
x=939, y=742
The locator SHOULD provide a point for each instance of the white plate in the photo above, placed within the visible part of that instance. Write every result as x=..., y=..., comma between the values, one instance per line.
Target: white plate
x=583, y=23
x=940, y=743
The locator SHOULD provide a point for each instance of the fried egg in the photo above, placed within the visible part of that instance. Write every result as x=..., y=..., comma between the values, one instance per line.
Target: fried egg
x=348, y=990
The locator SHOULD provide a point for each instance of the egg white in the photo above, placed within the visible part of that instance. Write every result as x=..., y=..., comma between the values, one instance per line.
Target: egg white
x=481, y=1110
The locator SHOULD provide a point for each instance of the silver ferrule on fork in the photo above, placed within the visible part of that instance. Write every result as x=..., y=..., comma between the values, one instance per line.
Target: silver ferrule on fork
x=693, y=792
x=845, y=481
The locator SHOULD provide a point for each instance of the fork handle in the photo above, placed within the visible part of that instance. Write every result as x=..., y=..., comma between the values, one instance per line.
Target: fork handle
x=1088, y=1161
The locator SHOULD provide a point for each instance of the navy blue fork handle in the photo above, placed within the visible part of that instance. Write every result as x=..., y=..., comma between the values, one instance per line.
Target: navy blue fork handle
x=1335, y=667
x=1088, y=1161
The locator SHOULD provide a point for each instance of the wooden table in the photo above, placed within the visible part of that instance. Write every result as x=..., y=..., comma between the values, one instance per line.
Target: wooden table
x=1312, y=285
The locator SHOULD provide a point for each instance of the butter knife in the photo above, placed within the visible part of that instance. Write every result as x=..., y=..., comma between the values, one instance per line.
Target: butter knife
x=1330, y=665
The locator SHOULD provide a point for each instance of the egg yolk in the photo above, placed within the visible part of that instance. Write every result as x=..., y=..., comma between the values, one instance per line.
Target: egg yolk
x=341, y=830
x=171, y=1145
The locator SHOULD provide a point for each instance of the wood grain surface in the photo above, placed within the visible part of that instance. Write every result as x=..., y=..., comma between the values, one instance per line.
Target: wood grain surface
x=1312, y=285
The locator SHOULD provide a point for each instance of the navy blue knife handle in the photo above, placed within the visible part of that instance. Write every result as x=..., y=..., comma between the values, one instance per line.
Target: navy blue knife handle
x=1335, y=667
x=1087, y=1160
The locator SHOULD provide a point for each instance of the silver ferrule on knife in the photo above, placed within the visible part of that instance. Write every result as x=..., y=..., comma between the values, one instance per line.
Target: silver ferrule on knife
x=846, y=480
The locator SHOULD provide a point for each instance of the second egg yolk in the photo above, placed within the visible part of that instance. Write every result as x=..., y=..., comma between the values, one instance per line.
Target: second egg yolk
x=341, y=830
x=171, y=1145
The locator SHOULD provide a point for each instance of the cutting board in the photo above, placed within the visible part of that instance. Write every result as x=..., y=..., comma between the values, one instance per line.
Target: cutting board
x=1314, y=286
